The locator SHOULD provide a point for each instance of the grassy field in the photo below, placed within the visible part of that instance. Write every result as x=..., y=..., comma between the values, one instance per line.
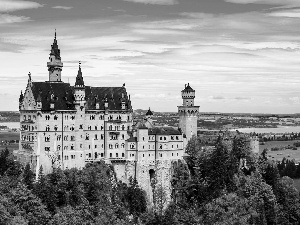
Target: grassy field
x=279, y=155
x=7, y=136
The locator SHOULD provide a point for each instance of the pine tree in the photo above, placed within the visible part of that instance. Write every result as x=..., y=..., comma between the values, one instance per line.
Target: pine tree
x=28, y=176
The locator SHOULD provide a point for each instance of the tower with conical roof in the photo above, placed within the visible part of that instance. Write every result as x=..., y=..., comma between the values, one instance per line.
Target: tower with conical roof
x=54, y=65
x=188, y=112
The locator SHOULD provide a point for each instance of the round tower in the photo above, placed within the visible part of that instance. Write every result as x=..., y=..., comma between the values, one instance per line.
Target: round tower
x=54, y=65
x=188, y=112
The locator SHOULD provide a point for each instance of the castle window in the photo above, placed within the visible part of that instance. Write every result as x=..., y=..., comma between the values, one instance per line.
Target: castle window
x=160, y=146
x=80, y=155
x=95, y=146
x=110, y=155
x=47, y=117
x=24, y=117
x=117, y=155
x=177, y=138
x=47, y=149
x=55, y=128
x=123, y=155
x=72, y=147
x=96, y=137
x=73, y=117
x=172, y=146
x=161, y=155
x=117, y=146
x=58, y=157
x=122, y=145
x=72, y=128
x=58, y=148
x=110, y=146
x=123, y=127
x=143, y=138
x=80, y=126
x=58, y=137
x=66, y=138
x=102, y=136
x=89, y=146
x=172, y=138
x=123, y=136
x=177, y=154
x=101, y=154
x=96, y=127
x=89, y=127
x=87, y=137
x=29, y=117
x=72, y=138
x=110, y=127
x=80, y=145
x=47, y=139
x=96, y=155
x=165, y=138
x=55, y=117
x=143, y=155
x=160, y=138
x=143, y=147
x=47, y=128
x=128, y=127
x=172, y=154
x=90, y=155
x=177, y=146
x=34, y=117
x=66, y=148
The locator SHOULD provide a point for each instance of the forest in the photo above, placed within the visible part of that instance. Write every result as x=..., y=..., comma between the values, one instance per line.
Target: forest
x=225, y=185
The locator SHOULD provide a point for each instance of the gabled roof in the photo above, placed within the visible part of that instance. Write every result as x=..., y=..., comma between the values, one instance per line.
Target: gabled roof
x=62, y=92
x=100, y=94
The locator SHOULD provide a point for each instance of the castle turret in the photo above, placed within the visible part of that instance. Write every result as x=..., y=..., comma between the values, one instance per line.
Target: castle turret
x=79, y=89
x=188, y=112
x=54, y=65
x=21, y=100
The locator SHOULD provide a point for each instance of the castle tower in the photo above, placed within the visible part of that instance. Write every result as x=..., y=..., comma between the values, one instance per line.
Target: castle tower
x=54, y=65
x=188, y=113
x=80, y=101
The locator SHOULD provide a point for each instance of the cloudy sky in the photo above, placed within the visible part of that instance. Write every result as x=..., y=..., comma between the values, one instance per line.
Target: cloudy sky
x=239, y=55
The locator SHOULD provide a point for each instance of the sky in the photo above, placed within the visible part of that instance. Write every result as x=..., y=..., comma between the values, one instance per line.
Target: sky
x=240, y=56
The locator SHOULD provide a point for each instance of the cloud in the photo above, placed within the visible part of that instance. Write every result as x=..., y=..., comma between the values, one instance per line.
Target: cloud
x=8, y=19
x=267, y=2
x=155, y=2
x=13, y=5
x=62, y=7
x=293, y=13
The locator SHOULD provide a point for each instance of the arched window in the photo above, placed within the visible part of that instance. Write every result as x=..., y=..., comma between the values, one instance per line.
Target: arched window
x=122, y=145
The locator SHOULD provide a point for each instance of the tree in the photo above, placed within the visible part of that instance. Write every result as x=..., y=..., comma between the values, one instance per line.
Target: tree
x=288, y=199
x=228, y=209
x=28, y=176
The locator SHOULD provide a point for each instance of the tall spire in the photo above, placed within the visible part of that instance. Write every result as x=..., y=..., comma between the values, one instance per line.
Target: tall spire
x=79, y=79
x=54, y=65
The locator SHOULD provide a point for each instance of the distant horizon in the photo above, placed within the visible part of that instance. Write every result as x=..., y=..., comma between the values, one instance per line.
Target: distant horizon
x=239, y=56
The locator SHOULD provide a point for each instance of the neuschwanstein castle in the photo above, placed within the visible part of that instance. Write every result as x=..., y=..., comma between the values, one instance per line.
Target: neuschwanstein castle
x=68, y=126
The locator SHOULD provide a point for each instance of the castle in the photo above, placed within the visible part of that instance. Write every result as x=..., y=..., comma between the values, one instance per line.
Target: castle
x=64, y=126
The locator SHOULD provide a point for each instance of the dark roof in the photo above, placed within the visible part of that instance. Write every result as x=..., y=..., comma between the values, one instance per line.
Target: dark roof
x=63, y=96
x=100, y=94
x=54, y=48
x=132, y=139
x=163, y=131
x=188, y=88
x=79, y=78
x=62, y=93
x=149, y=113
